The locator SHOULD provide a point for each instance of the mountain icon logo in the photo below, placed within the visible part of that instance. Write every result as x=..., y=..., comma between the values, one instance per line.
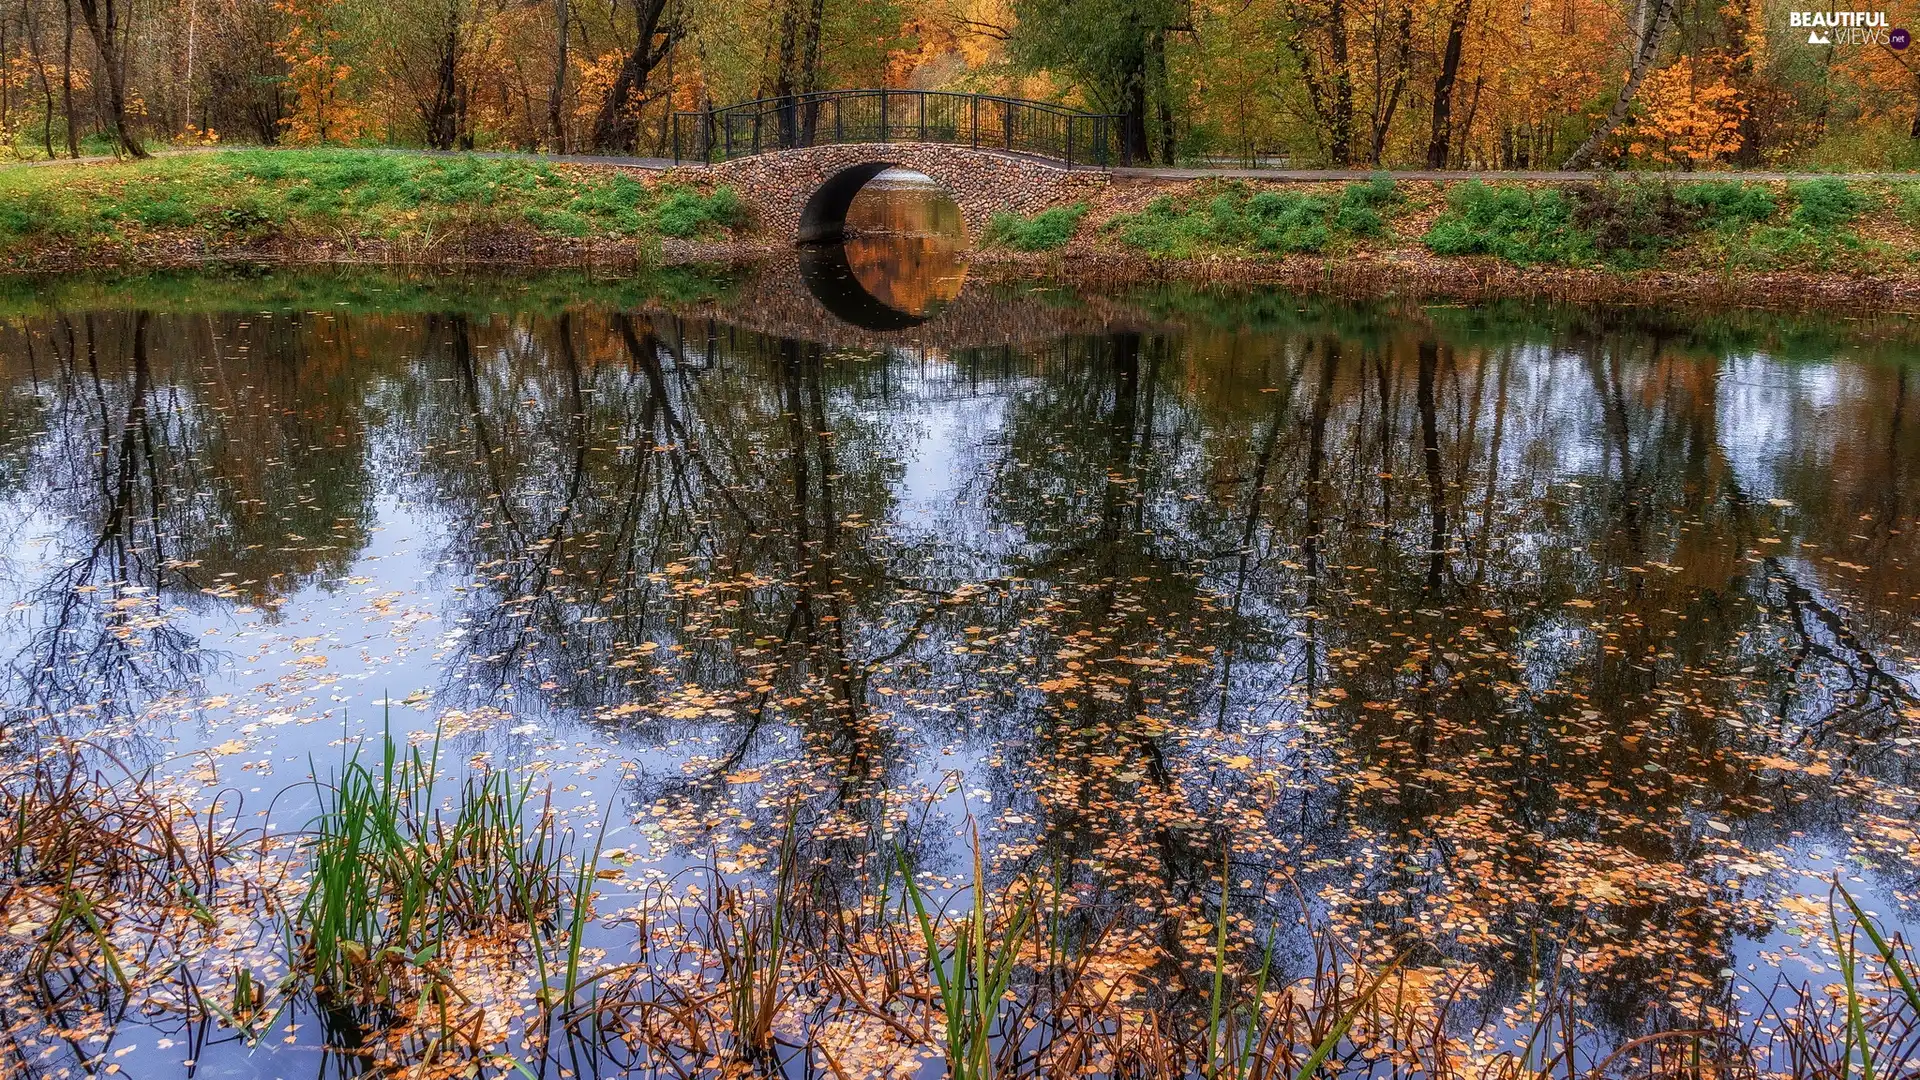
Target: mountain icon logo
x=1816, y=37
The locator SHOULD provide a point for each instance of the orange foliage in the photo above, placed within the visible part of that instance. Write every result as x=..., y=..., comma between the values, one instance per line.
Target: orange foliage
x=594, y=81
x=1691, y=115
x=321, y=111
x=1543, y=65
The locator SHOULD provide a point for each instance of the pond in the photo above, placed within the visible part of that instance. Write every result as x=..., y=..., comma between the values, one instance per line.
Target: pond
x=1452, y=690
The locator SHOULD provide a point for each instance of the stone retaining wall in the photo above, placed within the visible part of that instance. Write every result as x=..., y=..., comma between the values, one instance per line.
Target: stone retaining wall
x=983, y=182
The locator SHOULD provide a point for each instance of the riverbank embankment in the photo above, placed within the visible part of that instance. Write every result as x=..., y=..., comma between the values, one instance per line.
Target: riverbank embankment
x=1757, y=240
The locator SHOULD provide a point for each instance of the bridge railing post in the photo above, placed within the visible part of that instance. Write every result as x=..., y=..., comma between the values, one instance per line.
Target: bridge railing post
x=1069, y=142
x=976, y=122
x=883, y=117
x=1006, y=126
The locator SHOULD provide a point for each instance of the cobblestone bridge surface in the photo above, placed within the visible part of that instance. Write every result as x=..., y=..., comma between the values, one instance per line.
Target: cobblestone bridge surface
x=805, y=193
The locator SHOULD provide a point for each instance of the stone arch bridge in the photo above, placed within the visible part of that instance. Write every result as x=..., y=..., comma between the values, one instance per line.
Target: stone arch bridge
x=798, y=161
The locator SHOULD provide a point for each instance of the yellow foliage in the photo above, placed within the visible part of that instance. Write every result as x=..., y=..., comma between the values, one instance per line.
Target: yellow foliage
x=1691, y=116
x=322, y=111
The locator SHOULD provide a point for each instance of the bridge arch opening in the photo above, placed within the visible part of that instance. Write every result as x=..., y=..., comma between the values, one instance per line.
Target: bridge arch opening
x=823, y=220
x=899, y=255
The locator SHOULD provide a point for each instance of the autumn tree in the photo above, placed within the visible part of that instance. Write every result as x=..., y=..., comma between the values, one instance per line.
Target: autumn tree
x=616, y=125
x=427, y=64
x=322, y=110
x=103, y=19
x=1112, y=52
x=1318, y=40
x=1441, y=132
x=245, y=74
x=1689, y=117
x=1654, y=18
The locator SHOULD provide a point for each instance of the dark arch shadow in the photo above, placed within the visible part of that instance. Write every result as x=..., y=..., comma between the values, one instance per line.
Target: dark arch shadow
x=824, y=219
x=831, y=280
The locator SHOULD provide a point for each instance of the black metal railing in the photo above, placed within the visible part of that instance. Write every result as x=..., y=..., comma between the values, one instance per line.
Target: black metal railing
x=834, y=117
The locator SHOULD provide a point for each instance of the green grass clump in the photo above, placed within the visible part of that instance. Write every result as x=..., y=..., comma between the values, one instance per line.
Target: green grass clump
x=1524, y=226
x=972, y=958
x=1906, y=203
x=398, y=882
x=1721, y=204
x=1279, y=222
x=393, y=879
x=1045, y=231
x=1634, y=224
x=1361, y=204
x=686, y=213
x=1825, y=203
x=409, y=198
x=1816, y=234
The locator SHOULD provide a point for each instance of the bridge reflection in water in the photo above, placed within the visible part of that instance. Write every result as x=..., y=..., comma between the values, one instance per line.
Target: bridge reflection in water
x=900, y=260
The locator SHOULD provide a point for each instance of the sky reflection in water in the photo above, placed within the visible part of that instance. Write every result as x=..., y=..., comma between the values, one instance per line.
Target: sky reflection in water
x=1498, y=632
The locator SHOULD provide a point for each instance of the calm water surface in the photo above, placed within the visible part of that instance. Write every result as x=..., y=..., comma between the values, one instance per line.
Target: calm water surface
x=1516, y=641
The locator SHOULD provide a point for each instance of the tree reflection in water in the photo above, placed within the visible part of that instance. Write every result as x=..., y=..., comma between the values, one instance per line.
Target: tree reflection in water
x=1517, y=645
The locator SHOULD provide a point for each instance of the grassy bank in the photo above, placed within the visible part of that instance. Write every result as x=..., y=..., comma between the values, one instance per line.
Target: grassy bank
x=316, y=204
x=1620, y=226
x=1816, y=241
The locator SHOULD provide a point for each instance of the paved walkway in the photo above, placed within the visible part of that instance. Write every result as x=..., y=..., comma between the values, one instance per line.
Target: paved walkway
x=582, y=159
x=1136, y=172
x=1323, y=175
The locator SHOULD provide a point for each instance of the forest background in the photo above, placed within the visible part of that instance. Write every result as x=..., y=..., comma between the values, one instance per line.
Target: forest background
x=1498, y=84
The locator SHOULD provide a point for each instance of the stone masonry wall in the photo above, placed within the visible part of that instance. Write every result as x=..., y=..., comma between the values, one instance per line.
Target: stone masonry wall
x=983, y=182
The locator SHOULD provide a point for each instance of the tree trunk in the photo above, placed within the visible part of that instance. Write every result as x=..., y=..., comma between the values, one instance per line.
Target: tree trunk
x=810, y=68
x=1386, y=104
x=1330, y=94
x=103, y=26
x=799, y=63
x=1739, y=22
x=556, y=126
x=66, y=84
x=6, y=87
x=615, y=127
x=440, y=113
x=1158, y=53
x=1135, y=120
x=1342, y=135
x=1442, y=136
x=32, y=28
x=1653, y=28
